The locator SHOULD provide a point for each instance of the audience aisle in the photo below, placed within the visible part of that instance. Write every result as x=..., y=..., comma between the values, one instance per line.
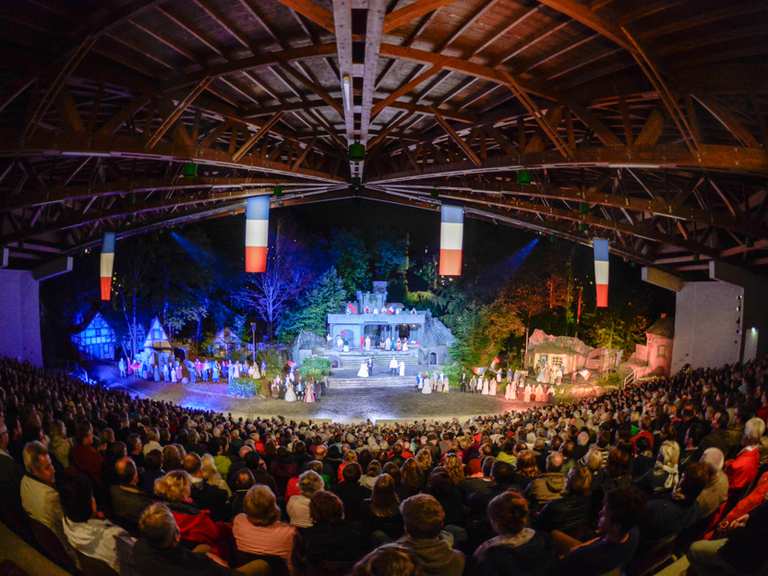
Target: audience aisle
x=675, y=466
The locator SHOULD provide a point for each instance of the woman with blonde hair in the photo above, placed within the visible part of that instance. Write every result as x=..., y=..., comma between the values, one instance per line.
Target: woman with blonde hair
x=455, y=469
x=411, y=479
x=424, y=460
x=195, y=525
x=211, y=474
x=60, y=444
x=663, y=477
x=349, y=456
x=258, y=529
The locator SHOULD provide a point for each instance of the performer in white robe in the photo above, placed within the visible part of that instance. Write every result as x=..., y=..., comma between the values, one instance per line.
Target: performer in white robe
x=290, y=395
x=427, y=386
x=493, y=386
x=393, y=366
x=446, y=385
x=542, y=376
x=527, y=393
x=402, y=369
x=339, y=343
x=539, y=393
x=511, y=392
x=486, y=389
x=363, y=372
x=367, y=343
x=405, y=346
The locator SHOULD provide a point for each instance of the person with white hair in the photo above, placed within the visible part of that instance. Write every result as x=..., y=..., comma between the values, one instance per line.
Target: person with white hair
x=716, y=490
x=298, y=506
x=664, y=475
x=742, y=470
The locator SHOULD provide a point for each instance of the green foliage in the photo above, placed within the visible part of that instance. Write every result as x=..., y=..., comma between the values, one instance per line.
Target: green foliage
x=615, y=328
x=327, y=295
x=390, y=257
x=275, y=361
x=246, y=387
x=352, y=261
x=315, y=367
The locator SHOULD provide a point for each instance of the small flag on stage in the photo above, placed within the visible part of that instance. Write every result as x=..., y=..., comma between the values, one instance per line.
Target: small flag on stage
x=451, y=238
x=600, y=246
x=256, y=233
x=107, y=263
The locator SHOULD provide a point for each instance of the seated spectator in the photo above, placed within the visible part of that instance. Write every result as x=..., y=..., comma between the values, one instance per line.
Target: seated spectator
x=298, y=506
x=569, y=462
x=352, y=493
x=663, y=477
x=424, y=536
x=10, y=479
x=84, y=456
x=85, y=527
x=292, y=487
x=507, y=452
x=715, y=493
x=742, y=552
x=220, y=449
x=157, y=550
x=39, y=497
x=128, y=500
x=718, y=437
x=549, y=485
x=527, y=470
x=476, y=481
x=381, y=518
x=153, y=469
x=742, y=470
x=572, y=513
x=330, y=538
x=211, y=474
x=258, y=530
x=60, y=445
x=412, y=479
x=389, y=561
x=755, y=498
x=673, y=513
x=618, y=540
x=643, y=461
x=205, y=495
x=516, y=549
x=242, y=482
x=448, y=494
x=645, y=433
x=371, y=473
x=195, y=525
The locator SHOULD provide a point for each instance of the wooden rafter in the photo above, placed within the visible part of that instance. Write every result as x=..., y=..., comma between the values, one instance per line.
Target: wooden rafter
x=311, y=11
x=408, y=14
x=458, y=140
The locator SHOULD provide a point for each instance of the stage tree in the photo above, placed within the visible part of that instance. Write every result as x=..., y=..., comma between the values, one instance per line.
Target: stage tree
x=352, y=261
x=327, y=295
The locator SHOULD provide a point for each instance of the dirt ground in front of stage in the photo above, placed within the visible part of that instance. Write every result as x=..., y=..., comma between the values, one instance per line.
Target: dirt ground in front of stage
x=348, y=405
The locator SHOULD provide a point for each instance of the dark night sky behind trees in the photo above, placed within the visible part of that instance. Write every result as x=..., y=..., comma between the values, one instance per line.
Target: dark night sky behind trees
x=191, y=277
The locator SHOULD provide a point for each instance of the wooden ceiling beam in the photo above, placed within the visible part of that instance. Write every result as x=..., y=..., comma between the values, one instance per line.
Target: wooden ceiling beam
x=181, y=106
x=403, y=16
x=250, y=142
x=583, y=15
x=404, y=89
x=313, y=12
x=728, y=120
x=474, y=158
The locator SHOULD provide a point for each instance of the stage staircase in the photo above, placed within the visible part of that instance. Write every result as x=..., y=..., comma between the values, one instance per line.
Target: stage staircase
x=381, y=361
x=344, y=382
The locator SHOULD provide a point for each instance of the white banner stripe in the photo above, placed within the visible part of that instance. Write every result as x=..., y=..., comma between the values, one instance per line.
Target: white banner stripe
x=451, y=235
x=107, y=262
x=256, y=232
x=601, y=271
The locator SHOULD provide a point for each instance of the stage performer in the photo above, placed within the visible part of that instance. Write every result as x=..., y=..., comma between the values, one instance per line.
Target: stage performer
x=388, y=343
x=446, y=385
x=473, y=384
x=493, y=385
x=121, y=367
x=367, y=343
x=363, y=372
x=290, y=395
x=539, y=391
x=398, y=345
x=402, y=369
x=216, y=370
x=511, y=392
x=550, y=393
x=527, y=393
x=486, y=388
x=165, y=372
x=405, y=346
x=275, y=388
x=427, y=387
x=370, y=366
x=309, y=393
x=393, y=366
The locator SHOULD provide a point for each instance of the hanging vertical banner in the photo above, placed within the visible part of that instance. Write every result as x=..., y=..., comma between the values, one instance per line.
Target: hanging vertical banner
x=107, y=264
x=600, y=245
x=256, y=233
x=451, y=238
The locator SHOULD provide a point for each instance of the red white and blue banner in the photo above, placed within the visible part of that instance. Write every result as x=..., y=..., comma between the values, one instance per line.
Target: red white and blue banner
x=256, y=233
x=107, y=264
x=600, y=246
x=451, y=239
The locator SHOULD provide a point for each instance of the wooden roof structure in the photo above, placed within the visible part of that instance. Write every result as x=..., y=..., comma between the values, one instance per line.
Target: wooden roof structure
x=643, y=121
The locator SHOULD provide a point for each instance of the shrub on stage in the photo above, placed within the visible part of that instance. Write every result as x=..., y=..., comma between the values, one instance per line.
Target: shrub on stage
x=246, y=387
x=316, y=367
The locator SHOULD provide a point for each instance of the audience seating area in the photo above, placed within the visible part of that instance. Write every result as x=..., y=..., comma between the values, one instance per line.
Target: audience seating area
x=103, y=483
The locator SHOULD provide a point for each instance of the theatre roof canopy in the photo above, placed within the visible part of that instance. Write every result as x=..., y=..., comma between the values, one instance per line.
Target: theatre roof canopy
x=643, y=121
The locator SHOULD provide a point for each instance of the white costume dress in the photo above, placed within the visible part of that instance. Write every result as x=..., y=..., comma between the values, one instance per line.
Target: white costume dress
x=290, y=395
x=492, y=390
x=363, y=372
x=527, y=393
x=511, y=392
x=427, y=387
x=402, y=369
x=486, y=389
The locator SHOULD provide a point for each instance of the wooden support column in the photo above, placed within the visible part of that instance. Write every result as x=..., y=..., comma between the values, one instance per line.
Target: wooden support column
x=474, y=158
x=256, y=137
x=171, y=119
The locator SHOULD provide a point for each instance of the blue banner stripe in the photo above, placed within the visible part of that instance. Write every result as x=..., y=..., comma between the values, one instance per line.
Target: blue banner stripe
x=257, y=208
x=108, y=245
x=454, y=214
x=600, y=246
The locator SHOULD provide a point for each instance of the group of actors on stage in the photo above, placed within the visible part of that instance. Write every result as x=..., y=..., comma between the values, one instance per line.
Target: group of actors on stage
x=173, y=370
x=396, y=368
x=517, y=386
x=387, y=344
x=292, y=388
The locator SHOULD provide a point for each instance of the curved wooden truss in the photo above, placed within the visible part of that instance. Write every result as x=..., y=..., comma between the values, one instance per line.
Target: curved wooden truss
x=641, y=121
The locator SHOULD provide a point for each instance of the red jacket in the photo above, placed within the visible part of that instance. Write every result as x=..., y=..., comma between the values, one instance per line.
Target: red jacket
x=742, y=470
x=88, y=460
x=750, y=502
x=197, y=527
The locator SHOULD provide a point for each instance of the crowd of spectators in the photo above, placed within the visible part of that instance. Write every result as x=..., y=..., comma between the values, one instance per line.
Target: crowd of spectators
x=609, y=483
